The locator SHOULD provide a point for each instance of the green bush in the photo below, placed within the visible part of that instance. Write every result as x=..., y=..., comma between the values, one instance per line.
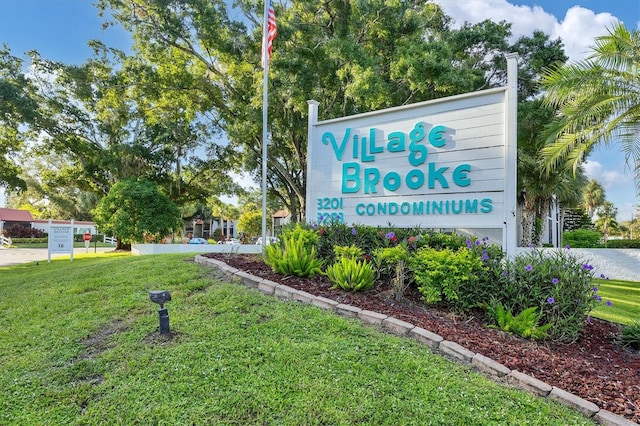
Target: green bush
x=298, y=231
x=623, y=244
x=583, y=238
x=366, y=237
x=524, y=324
x=487, y=271
x=391, y=264
x=349, y=252
x=29, y=240
x=630, y=335
x=293, y=256
x=441, y=273
x=555, y=281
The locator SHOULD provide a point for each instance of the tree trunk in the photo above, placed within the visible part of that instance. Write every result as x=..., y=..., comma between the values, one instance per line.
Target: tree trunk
x=543, y=214
x=120, y=246
x=528, y=219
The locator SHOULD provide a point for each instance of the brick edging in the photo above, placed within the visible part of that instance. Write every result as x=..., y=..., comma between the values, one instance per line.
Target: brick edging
x=434, y=341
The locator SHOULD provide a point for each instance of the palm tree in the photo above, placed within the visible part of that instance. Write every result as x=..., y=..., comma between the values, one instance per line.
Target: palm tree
x=593, y=197
x=598, y=101
x=226, y=212
x=537, y=189
x=607, y=218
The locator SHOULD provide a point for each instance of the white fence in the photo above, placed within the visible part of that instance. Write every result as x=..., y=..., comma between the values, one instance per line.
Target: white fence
x=620, y=264
x=110, y=240
x=142, y=249
x=5, y=242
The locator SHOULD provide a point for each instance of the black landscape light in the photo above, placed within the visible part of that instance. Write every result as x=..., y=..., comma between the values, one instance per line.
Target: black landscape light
x=161, y=297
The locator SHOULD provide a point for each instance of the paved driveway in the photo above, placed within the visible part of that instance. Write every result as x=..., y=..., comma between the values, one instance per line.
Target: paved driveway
x=16, y=256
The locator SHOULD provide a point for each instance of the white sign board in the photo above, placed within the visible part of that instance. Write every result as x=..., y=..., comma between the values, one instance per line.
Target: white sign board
x=446, y=163
x=60, y=239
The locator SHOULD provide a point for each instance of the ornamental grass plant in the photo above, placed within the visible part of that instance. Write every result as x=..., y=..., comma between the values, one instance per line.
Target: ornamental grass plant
x=295, y=255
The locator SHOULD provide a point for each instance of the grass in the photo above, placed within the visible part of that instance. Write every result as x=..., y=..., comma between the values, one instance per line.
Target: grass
x=76, y=244
x=625, y=296
x=79, y=344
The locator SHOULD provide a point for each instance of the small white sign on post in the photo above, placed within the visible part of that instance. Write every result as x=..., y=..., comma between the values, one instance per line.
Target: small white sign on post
x=60, y=239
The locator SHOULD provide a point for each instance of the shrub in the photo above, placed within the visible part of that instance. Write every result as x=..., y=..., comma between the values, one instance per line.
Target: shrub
x=29, y=240
x=21, y=231
x=293, y=257
x=366, y=237
x=623, y=244
x=555, y=281
x=584, y=238
x=441, y=240
x=524, y=324
x=440, y=273
x=341, y=235
x=630, y=335
x=391, y=266
x=487, y=271
x=577, y=218
x=307, y=236
x=348, y=252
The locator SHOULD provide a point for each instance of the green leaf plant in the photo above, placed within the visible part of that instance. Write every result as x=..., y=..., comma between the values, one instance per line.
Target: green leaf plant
x=630, y=335
x=525, y=324
x=348, y=272
x=392, y=262
x=293, y=257
x=441, y=273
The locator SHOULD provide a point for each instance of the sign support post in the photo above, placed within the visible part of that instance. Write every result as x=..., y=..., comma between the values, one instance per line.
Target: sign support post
x=509, y=234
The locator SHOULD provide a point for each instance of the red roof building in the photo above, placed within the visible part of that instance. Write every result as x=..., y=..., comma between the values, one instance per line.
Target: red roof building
x=23, y=217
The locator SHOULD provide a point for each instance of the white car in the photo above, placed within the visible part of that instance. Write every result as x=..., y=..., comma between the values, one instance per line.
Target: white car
x=270, y=240
x=233, y=241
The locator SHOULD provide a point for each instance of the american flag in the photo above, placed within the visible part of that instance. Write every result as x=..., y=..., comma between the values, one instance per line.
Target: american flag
x=271, y=30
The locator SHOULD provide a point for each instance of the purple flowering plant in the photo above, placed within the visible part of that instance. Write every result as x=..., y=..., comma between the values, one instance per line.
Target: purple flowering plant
x=554, y=280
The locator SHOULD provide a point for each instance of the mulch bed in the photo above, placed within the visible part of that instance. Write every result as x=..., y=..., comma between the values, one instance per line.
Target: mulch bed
x=594, y=367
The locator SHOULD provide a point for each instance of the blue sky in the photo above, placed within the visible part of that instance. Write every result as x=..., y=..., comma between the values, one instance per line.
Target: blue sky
x=59, y=30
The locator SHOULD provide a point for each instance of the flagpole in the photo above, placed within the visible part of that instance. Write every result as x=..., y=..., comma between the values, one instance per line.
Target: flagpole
x=265, y=97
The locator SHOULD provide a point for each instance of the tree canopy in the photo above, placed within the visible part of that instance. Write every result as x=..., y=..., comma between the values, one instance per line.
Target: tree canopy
x=135, y=209
x=17, y=107
x=350, y=56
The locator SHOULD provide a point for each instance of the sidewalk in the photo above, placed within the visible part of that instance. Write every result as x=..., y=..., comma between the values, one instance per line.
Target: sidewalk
x=16, y=256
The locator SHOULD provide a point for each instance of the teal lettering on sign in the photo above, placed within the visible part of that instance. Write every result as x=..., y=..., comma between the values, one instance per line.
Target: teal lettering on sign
x=370, y=180
x=372, y=166
x=423, y=208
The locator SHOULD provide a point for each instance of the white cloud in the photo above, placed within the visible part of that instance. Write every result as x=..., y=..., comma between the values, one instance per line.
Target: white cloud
x=607, y=178
x=593, y=169
x=577, y=29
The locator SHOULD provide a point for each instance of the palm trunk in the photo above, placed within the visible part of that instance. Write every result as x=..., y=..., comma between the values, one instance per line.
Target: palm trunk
x=544, y=213
x=528, y=219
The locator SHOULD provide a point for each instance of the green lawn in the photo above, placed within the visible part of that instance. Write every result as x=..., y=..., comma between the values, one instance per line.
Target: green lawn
x=625, y=298
x=79, y=344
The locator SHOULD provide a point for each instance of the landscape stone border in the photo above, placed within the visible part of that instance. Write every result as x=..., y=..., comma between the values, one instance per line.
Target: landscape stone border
x=451, y=350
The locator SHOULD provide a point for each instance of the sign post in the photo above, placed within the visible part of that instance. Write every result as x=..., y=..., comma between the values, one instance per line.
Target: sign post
x=87, y=240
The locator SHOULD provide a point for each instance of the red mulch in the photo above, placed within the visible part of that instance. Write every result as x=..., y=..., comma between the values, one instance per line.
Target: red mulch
x=594, y=367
